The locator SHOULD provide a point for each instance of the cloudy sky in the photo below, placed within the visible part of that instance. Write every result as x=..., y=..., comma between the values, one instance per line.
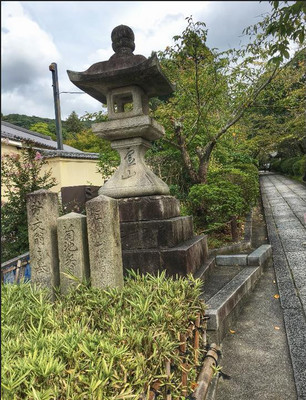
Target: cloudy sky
x=76, y=34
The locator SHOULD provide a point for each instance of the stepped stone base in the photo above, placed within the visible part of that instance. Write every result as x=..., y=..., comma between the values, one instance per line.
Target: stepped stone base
x=148, y=208
x=155, y=233
x=155, y=237
x=183, y=259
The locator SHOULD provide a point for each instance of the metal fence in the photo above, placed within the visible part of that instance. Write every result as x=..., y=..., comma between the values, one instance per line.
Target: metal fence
x=16, y=270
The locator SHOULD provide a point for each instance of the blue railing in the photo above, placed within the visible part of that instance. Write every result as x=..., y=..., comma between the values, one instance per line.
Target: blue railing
x=16, y=270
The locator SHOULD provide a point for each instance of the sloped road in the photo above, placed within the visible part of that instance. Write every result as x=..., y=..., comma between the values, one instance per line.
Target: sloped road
x=284, y=202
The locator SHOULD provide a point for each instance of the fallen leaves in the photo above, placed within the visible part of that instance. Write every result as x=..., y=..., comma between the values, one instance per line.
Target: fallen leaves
x=276, y=296
x=194, y=385
x=231, y=331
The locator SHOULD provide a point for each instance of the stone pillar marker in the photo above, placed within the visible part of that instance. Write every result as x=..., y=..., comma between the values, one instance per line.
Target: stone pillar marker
x=73, y=249
x=104, y=242
x=42, y=211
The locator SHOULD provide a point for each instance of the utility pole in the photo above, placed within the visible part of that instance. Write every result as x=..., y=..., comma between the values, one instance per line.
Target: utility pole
x=57, y=107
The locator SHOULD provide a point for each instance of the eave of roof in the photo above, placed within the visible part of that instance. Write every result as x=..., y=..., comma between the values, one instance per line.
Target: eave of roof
x=68, y=154
x=14, y=132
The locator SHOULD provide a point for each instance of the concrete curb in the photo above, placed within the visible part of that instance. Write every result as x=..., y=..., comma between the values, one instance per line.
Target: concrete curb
x=260, y=255
x=227, y=298
x=257, y=257
x=236, y=259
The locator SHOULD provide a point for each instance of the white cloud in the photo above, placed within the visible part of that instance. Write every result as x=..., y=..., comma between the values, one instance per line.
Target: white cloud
x=26, y=49
x=77, y=34
x=154, y=24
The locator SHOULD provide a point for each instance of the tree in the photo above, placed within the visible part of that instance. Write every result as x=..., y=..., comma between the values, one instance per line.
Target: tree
x=73, y=124
x=43, y=128
x=21, y=174
x=108, y=158
x=212, y=93
x=279, y=30
x=276, y=121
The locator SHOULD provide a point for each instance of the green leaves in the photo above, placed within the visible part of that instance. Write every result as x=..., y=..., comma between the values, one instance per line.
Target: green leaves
x=95, y=344
x=279, y=30
x=21, y=174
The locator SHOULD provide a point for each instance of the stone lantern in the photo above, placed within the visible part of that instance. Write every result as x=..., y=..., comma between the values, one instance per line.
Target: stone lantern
x=125, y=83
x=154, y=236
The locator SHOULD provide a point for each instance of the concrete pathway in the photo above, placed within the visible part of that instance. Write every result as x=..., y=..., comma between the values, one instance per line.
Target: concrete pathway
x=284, y=202
x=256, y=354
x=265, y=354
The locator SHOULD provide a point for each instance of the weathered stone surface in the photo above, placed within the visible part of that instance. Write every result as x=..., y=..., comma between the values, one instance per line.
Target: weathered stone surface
x=134, y=96
x=260, y=255
x=183, y=259
x=127, y=82
x=122, y=69
x=129, y=127
x=42, y=211
x=156, y=233
x=104, y=242
x=236, y=259
x=73, y=249
x=148, y=208
x=133, y=177
x=187, y=257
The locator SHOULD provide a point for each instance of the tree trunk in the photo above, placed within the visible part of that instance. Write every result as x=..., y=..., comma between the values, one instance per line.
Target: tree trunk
x=203, y=170
x=204, y=157
x=234, y=229
x=181, y=140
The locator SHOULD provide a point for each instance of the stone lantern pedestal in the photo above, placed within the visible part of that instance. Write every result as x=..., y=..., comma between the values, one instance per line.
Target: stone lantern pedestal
x=153, y=234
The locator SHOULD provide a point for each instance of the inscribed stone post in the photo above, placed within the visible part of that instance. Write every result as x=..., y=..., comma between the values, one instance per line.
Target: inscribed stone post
x=104, y=242
x=73, y=249
x=42, y=210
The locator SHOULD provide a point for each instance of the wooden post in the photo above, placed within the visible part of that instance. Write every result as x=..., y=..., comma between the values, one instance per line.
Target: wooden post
x=204, y=326
x=168, y=373
x=206, y=373
x=234, y=229
x=17, y=270
x=197, y=338
x=184, y=364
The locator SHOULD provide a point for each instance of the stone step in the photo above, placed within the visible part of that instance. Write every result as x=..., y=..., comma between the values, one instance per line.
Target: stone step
x=206, y=269
x=148, y=208
x=260, y=256
x=185, y=258
x=218, y=278
x=224, y=306
x=156, y=233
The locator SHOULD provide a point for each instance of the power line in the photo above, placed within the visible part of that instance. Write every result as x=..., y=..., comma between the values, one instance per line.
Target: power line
x=73, y=92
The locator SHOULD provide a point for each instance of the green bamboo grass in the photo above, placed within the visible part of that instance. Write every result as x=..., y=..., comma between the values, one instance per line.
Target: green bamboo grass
x=97, y=344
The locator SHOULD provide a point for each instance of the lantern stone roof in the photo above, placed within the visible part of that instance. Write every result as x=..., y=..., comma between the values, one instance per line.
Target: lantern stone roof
x=123, y=69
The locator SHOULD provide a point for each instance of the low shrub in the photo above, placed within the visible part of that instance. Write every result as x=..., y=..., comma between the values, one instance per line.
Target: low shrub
x=275, y=165
x=215, y=202
x=299, y=167
x=229, y=192
x=286, y=166
x=294, y=166
x=245, y=177
x=97, y=344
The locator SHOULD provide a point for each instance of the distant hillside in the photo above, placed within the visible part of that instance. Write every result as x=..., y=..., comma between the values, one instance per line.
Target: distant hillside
x=25, y=121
